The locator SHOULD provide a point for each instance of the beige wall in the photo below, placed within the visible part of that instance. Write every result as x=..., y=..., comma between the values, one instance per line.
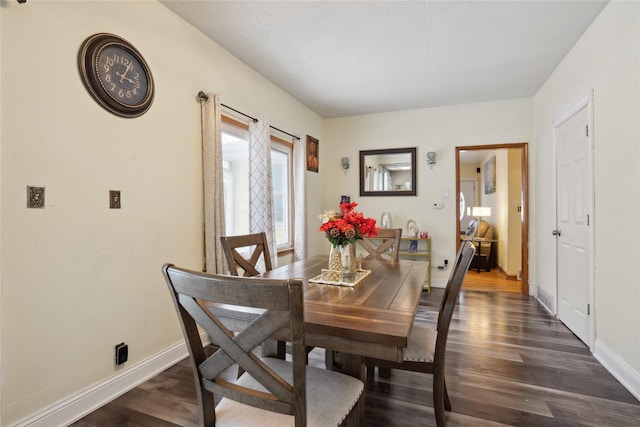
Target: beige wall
x=605, y=60
x=77, y=277
x=435, y=129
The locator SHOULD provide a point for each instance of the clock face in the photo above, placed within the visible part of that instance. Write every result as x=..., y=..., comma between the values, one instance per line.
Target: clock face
x=116, y=75
x=121, y=75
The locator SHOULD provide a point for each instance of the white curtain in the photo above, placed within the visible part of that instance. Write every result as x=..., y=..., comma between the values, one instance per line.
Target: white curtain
x=213, y=185
x=261, y=186
x=300, y=202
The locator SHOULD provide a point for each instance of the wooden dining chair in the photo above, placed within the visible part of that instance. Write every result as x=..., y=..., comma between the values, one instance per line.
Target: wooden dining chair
x=256, y=248
x=272, y=391
x=385, y=246
x=426, y=347
x=244, y=263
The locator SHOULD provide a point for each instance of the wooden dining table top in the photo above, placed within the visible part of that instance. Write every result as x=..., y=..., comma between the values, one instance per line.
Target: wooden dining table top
x=372, y=318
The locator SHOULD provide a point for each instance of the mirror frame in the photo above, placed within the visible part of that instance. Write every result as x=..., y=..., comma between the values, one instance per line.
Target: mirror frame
x=411, y=151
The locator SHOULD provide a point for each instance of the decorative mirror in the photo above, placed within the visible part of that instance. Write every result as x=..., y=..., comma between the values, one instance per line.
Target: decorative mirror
x=390, y=172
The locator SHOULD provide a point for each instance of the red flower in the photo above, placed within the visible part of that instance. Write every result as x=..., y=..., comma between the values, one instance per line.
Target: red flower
x=347, y=226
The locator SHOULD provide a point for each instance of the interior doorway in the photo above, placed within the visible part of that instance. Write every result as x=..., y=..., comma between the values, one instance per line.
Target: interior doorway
x=519, y=216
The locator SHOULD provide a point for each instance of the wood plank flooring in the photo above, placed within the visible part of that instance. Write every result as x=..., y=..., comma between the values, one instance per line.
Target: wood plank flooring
x=491, y=281
x=508, y=364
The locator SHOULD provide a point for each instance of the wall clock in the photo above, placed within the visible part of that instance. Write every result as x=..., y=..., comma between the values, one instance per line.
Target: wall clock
x=116, y=75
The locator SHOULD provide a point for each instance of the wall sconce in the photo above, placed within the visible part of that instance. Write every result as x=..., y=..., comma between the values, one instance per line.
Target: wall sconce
x=345, y=163
x=431, y=158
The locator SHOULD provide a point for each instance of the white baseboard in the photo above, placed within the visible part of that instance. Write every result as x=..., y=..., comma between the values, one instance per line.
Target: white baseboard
x=624, y=373
x=438, y=283
x=545, y=299
x=88, y=400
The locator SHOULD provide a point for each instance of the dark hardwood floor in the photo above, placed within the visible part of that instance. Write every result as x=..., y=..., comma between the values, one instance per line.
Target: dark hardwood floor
x=508, y=363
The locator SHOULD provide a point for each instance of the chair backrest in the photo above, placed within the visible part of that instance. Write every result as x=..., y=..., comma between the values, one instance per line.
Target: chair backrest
x=485, y=230
x=450, y=296
x=282, y=303
x=236, y=261
x=385, y=246
x=472, y=228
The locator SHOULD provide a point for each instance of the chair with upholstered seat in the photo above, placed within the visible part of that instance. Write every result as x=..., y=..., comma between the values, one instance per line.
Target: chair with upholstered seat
x=472, y=228
x=426, y=347
x=256, y=248
x=272, y=392
x=385, y=246
x=481, y=232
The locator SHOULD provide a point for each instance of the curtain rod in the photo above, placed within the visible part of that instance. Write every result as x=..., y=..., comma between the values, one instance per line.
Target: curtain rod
x=203, y=97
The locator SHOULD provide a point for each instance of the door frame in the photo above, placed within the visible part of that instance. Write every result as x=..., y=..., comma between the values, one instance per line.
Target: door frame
x=524, y=160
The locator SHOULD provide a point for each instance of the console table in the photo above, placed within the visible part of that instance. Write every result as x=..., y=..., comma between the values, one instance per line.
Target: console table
x=482, y=259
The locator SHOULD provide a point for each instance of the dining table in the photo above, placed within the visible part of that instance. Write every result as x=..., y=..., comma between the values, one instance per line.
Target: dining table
x=372, y=318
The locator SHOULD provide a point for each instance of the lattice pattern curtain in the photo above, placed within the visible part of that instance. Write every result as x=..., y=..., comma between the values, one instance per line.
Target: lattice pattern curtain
x=213, y=184
x=261, y=186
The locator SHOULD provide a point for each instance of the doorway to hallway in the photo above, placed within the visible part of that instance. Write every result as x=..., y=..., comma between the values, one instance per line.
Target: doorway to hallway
x=517, y=213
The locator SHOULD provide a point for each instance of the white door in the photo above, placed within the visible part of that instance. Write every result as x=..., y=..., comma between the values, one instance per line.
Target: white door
x=573, y=219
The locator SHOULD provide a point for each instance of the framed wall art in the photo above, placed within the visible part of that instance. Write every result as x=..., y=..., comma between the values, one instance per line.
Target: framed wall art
x=490, y=176
x=312, y=154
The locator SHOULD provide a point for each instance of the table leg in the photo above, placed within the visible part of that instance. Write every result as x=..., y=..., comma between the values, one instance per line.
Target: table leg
x=274, y=348
x=353, y=365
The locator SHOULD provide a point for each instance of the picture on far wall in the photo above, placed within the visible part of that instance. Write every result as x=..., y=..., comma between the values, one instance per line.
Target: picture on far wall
x=490, y=176
x=312, y=154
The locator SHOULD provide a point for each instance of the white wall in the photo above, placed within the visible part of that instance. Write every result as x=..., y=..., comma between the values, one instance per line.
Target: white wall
x=605, y=59
x=434, y=129
x=77, y=277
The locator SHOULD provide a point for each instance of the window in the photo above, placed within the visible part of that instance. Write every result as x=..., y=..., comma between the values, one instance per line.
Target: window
x=235, y=156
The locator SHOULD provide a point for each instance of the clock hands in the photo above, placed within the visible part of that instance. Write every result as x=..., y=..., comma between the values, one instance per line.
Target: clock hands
x=123, y=76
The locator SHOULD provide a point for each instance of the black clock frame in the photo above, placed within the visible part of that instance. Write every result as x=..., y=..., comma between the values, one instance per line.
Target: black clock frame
x=88, y=67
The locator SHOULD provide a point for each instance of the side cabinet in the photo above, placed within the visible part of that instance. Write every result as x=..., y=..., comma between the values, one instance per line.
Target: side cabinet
x=418, y=249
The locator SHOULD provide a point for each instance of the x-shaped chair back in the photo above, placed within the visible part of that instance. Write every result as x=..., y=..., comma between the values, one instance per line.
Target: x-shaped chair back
x=279, y=305
x=258, y=247
x=385, y=246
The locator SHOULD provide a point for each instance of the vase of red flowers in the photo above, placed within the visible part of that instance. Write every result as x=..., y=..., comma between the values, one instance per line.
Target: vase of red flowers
x=340, y=258
x=343, y=229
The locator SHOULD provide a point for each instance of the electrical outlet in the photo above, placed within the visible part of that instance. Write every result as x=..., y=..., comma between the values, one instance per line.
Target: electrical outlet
x=35, y=197
x=114, y=199
x=122, y=353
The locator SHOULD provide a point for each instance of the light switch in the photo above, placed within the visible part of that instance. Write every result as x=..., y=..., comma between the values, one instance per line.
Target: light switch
x=35, y=197
x=437, y=205
x=114, y=199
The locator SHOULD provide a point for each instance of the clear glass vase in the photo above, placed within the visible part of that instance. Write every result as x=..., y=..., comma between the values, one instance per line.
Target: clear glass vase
x=342, y=259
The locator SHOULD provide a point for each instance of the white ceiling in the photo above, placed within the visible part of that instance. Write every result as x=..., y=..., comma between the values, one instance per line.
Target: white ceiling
x=343, y=58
